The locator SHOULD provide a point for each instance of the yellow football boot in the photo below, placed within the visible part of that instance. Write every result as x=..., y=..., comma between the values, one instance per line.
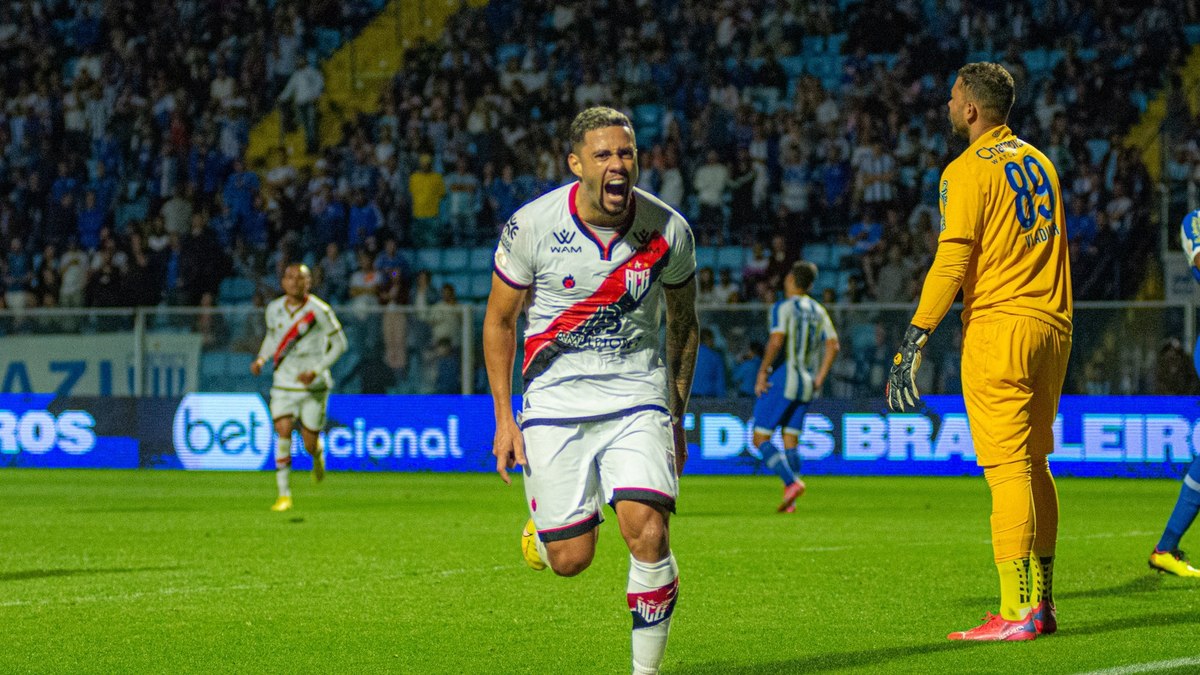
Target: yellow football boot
x=1173, y=562
x=529, y=547
x=282, y=504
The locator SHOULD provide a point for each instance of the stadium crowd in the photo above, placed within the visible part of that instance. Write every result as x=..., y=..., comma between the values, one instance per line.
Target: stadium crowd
x=774, y=124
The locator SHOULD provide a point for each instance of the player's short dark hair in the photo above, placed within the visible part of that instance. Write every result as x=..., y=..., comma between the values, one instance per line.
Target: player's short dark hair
x=991, y=87
x=598, y=117
x=804, y=273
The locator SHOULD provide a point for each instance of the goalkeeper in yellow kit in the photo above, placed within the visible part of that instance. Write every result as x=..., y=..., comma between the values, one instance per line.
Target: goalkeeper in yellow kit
x=1003, y=241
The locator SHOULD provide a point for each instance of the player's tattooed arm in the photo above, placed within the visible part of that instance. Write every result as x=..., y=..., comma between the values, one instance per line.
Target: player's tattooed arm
x=683, y=340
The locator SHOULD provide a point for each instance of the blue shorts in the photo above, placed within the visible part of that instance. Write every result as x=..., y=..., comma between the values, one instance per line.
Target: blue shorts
x=774, y=409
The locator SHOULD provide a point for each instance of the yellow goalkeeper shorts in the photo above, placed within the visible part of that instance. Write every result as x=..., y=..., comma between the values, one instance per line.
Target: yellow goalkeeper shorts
x=1012, y=372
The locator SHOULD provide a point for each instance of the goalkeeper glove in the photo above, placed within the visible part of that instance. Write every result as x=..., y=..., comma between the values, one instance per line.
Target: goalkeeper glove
x=901, y=388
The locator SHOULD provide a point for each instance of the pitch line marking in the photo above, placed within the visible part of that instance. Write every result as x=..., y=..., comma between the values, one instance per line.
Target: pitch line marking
x=947, y=542
x=1101, y=535
x=1150, y=667
x=123, y=597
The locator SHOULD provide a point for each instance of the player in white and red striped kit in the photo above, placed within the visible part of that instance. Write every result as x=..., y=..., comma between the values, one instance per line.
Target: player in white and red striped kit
x=304, y=339
x=601, y=420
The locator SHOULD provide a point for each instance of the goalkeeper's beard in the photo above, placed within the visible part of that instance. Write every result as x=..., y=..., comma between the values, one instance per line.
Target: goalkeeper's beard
x=959, y=127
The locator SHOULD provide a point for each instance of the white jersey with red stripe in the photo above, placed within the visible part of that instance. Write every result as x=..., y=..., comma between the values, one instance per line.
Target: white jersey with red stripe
x=592, y=335
x=302, y=339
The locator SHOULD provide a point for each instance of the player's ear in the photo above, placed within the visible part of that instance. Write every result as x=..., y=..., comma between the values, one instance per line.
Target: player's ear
x=575, y=165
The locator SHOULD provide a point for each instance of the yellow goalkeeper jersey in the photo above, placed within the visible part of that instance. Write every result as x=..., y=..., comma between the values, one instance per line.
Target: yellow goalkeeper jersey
x=1001, y=197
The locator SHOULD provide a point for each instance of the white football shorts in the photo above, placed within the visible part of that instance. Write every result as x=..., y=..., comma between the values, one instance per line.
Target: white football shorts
x=306, y=406
x=575, y=468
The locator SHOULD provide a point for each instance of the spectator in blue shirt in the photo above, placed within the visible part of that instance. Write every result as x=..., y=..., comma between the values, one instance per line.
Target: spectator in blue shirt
x=107, y=150
x=223, y=224
x=329, y=219
x=463, y=202
x=92, y=217
x=240, y=189
x=446, y=366
x=503, y=195
x=364, y=219
x=710, y=367
x=18, y=275
x=104, y=186
x=206, y=168
x=835, y=193
x=390, y=264
x=334, y=270
x=746, y=371
x=254, y=228
x=867, y=234
x=64, y=184
x=87, y=29
x=1081, y=224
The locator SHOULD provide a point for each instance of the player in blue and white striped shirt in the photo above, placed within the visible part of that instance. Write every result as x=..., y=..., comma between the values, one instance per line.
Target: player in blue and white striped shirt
x=1166, y=556
x=802, y=332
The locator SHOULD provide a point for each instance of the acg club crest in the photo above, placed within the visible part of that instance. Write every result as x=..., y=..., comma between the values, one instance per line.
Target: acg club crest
x=637, y=281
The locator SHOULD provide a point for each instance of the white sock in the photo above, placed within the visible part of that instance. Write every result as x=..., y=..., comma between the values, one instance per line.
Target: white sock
x=283, y=465
x=651, y=594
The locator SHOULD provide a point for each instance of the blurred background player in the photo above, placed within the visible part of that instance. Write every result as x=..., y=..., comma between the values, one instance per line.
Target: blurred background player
x=601, y=420
x=1003, y=241
x=304, y=339
x=1167, y=557
x=802, y=332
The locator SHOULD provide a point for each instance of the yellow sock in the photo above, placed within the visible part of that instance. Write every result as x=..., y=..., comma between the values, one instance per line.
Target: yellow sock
x=1016, y=589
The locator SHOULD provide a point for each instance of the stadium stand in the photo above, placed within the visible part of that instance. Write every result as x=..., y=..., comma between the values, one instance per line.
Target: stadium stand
x=838, y=125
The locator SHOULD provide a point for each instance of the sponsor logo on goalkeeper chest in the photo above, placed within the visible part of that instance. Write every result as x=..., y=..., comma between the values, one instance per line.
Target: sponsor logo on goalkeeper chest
x=1002, y=150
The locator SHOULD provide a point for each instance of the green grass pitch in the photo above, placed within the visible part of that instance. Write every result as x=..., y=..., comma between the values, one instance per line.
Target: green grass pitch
x=119, y=571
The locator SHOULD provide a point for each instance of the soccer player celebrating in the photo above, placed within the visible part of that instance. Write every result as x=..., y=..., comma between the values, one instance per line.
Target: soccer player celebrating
x=1167, y=557
x=601, y=420
x=801, y=330
x=1003, y=241
x=304, y=339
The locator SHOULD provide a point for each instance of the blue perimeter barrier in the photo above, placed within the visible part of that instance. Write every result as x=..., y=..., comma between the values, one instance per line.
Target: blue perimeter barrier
x=1106, y=436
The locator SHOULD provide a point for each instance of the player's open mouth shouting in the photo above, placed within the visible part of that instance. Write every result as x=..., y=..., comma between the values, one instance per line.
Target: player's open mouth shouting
x=616, y=193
